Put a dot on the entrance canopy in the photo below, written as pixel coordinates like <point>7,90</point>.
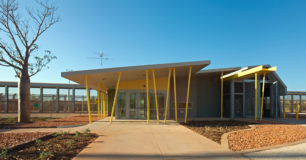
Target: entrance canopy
<point>108,76</point>
<point>247,72</point>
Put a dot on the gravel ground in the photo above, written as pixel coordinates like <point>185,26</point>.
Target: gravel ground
<point>12,139</point>
<point>266,135</point>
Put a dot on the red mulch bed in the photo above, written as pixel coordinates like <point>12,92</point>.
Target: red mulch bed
<point>75,120</point>
<point>266,135</point>
<point>214,129</point>
<point>8,140</point>
<point>57,147</point>
<point>51,123</point>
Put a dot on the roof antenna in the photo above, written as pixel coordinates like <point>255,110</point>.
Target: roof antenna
<point>100,56</point>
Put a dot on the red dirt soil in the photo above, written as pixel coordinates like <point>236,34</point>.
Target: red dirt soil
<point>12,139</point>
<point>265,135</point>
<point>75,120</point>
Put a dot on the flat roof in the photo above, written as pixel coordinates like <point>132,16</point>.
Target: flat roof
<point>296,92</point>
<point>108,76</point>
<point>44,85</point>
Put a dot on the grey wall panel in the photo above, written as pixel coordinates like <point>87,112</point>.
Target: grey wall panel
<point>208,95</point>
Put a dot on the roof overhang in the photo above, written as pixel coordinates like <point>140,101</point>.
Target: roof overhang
<point>245,73</point>
<point>108,77</point>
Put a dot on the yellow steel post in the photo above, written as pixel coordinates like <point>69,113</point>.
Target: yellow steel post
<point>297,112</point>
<point>88,99</point>
<point>262,95</point>
<point>148,102</point>
<point>255,96</point>
<point>115,98</point>
<point>104,104</point>
<point>187,96</point>
<point>284,111</point>
<point>174,87</point>
<point>107,103</point>
<point>98,93</point>
<point>167,98</point>
<point>221,95</point>
<point>101,105</point>
<point>155,93</point>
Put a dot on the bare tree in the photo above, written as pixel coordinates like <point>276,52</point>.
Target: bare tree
<point>20,50</point>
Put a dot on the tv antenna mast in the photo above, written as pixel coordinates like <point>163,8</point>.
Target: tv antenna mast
<point>101,57</point>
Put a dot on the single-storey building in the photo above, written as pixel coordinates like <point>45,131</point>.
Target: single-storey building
<point>182,91</point>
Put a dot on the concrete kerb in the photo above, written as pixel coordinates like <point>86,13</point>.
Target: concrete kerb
<point>224,137</point>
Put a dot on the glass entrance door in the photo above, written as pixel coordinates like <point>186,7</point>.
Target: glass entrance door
<point>133,105</point>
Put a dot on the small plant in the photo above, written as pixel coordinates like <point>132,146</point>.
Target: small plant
<point>77,134</point>
<point>87,131</point>
<point>65,133</point>
<point>56,134</point>
<point>45,155</point>
<point>70,143</point>
<point>10,120</point>
<point>3,153</point>
<point>38,141</point>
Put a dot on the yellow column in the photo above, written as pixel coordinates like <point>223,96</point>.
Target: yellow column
<point>187,96</point>
<point>167,98</point>
<point>284,109</point>
<point>297,112</point>
<point>156,102</point>
<point>88,99</point>
<point>115,98</point>
<point>255,96</point>
<point>98,93</point>
<point>106,102</point>
<point>148,102</point>
<point>174,87</point>
<point>101,105</point>
<point>221,95</point>
<point>262,95</point>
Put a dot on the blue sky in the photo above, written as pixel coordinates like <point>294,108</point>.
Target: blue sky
<point>230,33</point>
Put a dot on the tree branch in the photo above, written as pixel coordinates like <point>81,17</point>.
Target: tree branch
<point>10,54</point>
<point>10,8</point>
<point>9,64</point>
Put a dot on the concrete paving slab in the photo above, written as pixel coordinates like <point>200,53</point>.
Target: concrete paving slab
<point>294,152</point>
<point>138,140</point>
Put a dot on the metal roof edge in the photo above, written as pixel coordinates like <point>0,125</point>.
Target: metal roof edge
<point>218,70</point>
<point>151,66</point>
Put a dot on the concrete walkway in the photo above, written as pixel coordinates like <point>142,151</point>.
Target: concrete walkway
<point>139,140</point>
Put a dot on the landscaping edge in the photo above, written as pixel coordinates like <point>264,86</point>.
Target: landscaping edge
<point>224,143</point>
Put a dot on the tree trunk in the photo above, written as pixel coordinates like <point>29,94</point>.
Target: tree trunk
<point>24,108</point>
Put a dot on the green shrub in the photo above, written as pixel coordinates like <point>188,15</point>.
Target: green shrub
<point>70,143</point>
<point>10,120</point>
<point>38,141</point>
<point>77,134</point>
<point>87,131</point>
<point>45,155</point>
<point>3,153</point>
<point>56,134</point>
